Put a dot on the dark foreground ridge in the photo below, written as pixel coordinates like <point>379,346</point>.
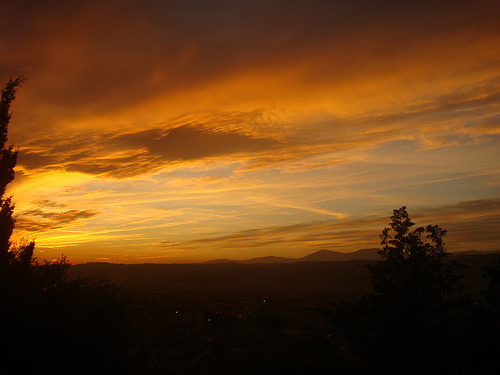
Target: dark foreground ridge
<point>320,281</point>
<point>268,318</point>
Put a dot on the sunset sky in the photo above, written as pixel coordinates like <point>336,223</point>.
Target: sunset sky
<point>186,131</point>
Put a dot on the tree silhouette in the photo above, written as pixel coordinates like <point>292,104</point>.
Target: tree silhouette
<point>22,254</point>
<point>48,323</point>
<point>410,314</point>
<point>413,274</point>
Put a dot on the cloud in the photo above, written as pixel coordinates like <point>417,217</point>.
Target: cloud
<point>137,153</point>
<point>102,57</point>
<point>109,70</point>
<point>48,203</point>
<point>470,225</point>
<point>315,234</point>
<point>191,143</point>
<point>475,208</point>
<point>35,226</point>
<point>62,217</point>
<point>50,220</point>
<point>264,139</point>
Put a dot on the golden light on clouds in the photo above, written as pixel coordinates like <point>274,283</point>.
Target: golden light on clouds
<point>188,131</point>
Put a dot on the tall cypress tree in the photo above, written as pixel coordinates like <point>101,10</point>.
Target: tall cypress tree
<point>8,160</point>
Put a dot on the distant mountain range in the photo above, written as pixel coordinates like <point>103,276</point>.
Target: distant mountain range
<point>317,256</point>
<point>325,256</point>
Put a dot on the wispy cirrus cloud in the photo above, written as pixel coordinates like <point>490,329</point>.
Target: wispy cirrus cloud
<point>465,222</point>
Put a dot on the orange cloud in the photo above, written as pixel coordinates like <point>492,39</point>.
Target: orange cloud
<point>142,152</point>
<point>51,220</point>
<point>106,58</point>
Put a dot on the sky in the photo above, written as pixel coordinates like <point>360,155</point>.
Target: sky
<point>187,131</point>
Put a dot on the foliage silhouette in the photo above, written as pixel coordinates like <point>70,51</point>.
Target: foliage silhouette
<point>8,160</point>
<point>49,323</point>
<point>413,277</point>
<point>404,324</point>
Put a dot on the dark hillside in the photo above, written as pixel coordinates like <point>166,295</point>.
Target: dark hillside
<point>251,318</point>
<point>309,282</point>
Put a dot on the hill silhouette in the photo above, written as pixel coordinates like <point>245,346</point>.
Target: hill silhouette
<point>317,256</point>
<point>329,256</point>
